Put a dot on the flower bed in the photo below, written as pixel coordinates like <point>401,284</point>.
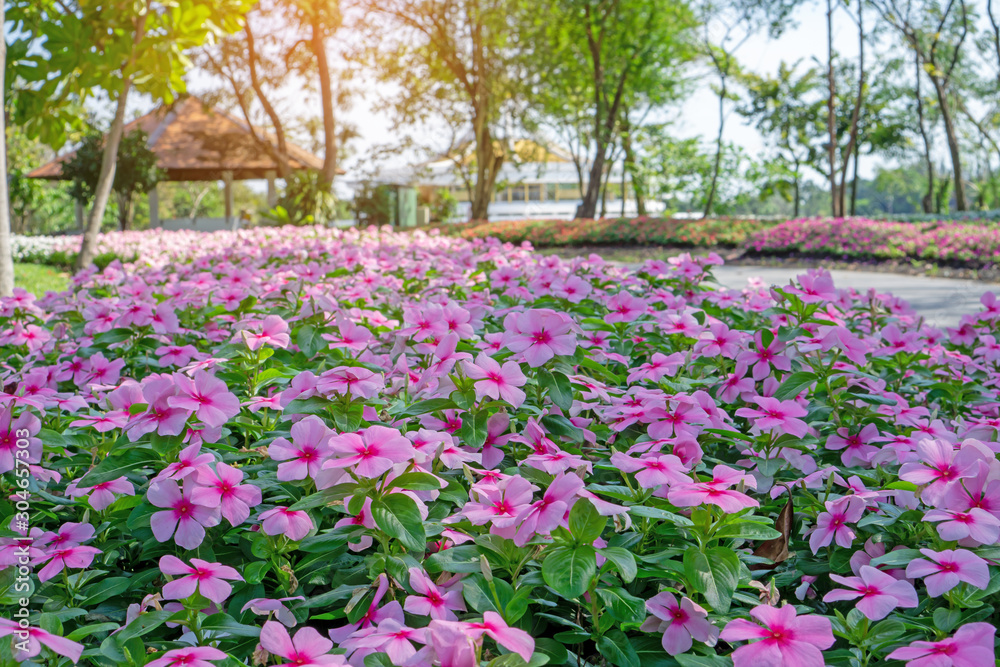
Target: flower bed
<point>620,231</point>
<point>304,446</point>
<point>975,244</point>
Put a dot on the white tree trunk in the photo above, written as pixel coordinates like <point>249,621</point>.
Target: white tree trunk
<point>6,254</point>
<point>107,178</point>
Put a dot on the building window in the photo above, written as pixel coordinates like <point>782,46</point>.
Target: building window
<point>517,193</point>
<point>535,192</point>
<point>550,191</point>
<point>569,191</point>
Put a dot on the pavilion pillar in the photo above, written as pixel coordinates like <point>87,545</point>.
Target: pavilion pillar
<point>154,208</point>
<point>272,191</point>
<point>79,216</point>
<point>227,180</point>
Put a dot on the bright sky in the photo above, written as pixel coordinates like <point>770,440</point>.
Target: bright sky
<point>698,115</point>
<point>805,40</point>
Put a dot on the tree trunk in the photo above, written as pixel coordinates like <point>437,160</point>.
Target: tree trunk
<point>852,143</point>
<point>854,183</point>
<point>6,251</point>
<point>953,147</point>
<point>710,198</point>
<point>278,150</point>
<point>123,211</point>
<point>795,206</point>
<point>830,116</point>
<point>604,187</point>
<point>88,247</point>
<point>329,171</point>
<point>588,208</point>
<point>638,186</point>
<point>927,202</point>
<point>488,163</point>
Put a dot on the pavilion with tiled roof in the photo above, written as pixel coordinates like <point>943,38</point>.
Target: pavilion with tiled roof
<point>195,142</point>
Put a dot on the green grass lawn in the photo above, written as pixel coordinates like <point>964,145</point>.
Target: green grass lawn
<point>37,278</point>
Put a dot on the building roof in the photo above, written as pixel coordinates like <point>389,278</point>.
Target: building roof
<point>195,142</point>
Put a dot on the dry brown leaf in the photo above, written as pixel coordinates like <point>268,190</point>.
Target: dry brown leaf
<point>776,550</point>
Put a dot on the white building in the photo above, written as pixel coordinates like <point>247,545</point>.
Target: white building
<point>540,182</point>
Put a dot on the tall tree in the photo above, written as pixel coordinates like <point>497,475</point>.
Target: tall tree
<point>787,111</point>
<point>937,34</point>
<point>618,51</point>
<point>268,59</point>
<point>831,117</point>
<point>726,27</point>
<point>856,111</point>
<point>6,255</point>
<point>118,45</point>
<point>457,62</point>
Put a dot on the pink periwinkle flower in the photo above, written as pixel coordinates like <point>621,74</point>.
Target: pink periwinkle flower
<point>879,592</point>
<point>195,656</point>
<point>496,381</point>
<point>181,514</point>
<point>833,524</point>
<point>100,496</point>
<point>273,331</point>
<point>371,453</point>
<point>653,471</point>
<point>943,570</point>
<point>74,556</point>
<point>774,416</point>
<point>972,646</point>
<point>295,524</point>
<point>514,640</point>
<point>431,600</point>
<point>188,461</point>
<point>394,639</point>
<point>209,579</point>
<point>938,467</point>
<point>680,622</point>
<point>786,639</point>
<point>452,643</point>
<point>35,638</point>
<point>206,396</point>
<point>303,456</point>
<point>715,492</point>
<point>539,335</point>
<point>268,606</point>
<point>973,527</point>
<point>223,488</point>
<point>307,648</point>
<point>543,516</point>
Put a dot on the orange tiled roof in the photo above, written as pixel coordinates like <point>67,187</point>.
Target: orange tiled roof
<point>194,142</point>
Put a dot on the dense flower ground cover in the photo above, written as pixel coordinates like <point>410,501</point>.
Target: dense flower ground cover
<point>303,446</point>
<point>976,244</point>
<point>620,231</point>
<point>973,243</point>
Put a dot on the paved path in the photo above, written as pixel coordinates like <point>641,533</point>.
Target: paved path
<point>941,300</point>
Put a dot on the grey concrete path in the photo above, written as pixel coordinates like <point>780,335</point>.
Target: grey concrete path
<point>941,300</point>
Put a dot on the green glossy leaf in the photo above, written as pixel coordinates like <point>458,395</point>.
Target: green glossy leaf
<point>585,523</point>
<point>569,570</point>
<point>622,560</point>
<point>622,605</point>
<point>794,385</point>
<point>113,467</point>
<point>714,574</point>
<point>397,515</point>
